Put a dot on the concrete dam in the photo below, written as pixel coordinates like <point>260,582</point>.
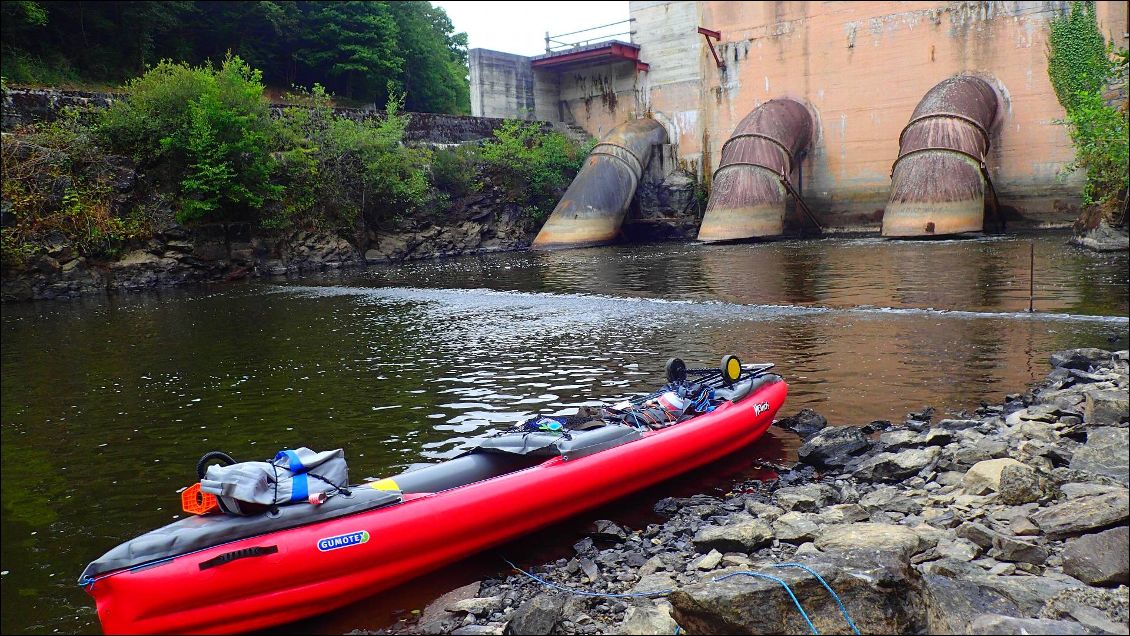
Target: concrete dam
<point>925,118</point>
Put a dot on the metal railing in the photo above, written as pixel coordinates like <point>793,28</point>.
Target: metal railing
<point>552,44</point>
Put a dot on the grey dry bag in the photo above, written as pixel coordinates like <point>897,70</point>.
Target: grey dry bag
<point>293,476</point>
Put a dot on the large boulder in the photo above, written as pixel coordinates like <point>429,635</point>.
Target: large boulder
<point>806,423</point>
<point>1107,452</point>
<point>742,533</point>
<point>1082,359</point>
<point>1084,514</point>
<point>834,446</point>
<point>1019,485</point>
<point>1001,624</point>
<point>1102,558</point>
<point>879,537</point>
<point>538,615</point>
<point>1106,408</point>
<point>985,476</point>
<point>807,498</point>
<point>951,605</point>
<point>892,467</point>
<point>877,591</point>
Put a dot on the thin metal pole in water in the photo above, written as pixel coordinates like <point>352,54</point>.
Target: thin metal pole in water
<point>1031,274</point>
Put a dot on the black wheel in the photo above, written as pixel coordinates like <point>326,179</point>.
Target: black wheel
<point>676,370</point>
<point>731,369</point>
<point>213,457</point>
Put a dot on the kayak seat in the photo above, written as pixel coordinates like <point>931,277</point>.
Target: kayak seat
<point>460,471</point>
<point>568,444</point>
<point>743,389</point>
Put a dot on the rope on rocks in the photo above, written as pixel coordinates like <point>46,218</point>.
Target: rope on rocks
<point>585,592</point>
<point>835,596</point>
<point>785,585</point>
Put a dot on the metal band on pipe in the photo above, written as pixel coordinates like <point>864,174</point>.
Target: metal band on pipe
<point>637,167</point>
<point>979,160</point>
<point>776,142</point>
<point>750,164</point>
<point>969,120</point>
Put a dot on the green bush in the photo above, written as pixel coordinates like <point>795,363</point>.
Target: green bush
<point>208,127</point>
<point>335,169</point>
<point>1100,133</point>
<point>454,170</point>
<point>1079,66</point>
<point>59,184</point>
<point>532,166</point>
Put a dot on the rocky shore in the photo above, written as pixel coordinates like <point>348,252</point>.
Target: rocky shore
<point>1012,520</point>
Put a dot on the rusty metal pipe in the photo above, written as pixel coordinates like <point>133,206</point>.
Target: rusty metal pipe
<point>938,181</point>
<point>747,199</point>
<point>594,206</point>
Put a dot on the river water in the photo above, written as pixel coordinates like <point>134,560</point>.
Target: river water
<point>108,403</point>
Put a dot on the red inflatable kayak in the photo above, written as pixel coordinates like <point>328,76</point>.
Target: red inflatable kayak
<point>222,574</point>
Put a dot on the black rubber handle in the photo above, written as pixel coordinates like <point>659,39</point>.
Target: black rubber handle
<point>245,553</point>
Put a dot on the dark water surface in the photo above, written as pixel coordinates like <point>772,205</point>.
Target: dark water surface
<point>108,403</point>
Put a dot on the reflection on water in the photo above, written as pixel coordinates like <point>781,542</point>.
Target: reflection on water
<point>107,403</point>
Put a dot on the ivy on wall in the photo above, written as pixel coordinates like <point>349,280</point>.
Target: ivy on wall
<point>1080,63</point>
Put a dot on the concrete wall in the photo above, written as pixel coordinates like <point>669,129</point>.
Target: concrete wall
<point>862,67</point>
<point>502,85</point>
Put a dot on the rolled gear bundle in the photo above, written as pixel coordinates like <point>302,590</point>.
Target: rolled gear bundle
<point>293,476</point>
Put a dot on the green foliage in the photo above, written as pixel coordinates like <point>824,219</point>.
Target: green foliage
<point>60,185</point>
<point>1079,66</point>
<point>335,169</point>
<point>455,170</point>
<point>532,166</point>
<point>353,48</point>
<point>1077,54</point>
<point>1100,134</point>
<point>210,128</point>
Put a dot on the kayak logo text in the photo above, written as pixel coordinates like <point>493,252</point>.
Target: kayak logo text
<point>758,409</point>
<point>343,541</point>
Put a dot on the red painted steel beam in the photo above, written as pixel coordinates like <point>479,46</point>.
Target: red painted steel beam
<point>717,35</point>
<point>613,51</point>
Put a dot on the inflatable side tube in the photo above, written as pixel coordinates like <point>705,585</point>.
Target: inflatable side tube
<point>199,532</point>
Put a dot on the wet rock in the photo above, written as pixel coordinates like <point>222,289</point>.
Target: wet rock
<point>951,605</point>
<point>1019,485</point>
<point>887,538</point>
<point>833,447</point>
<point>741,534</point>
<point>892,467</point>
<point>1107,452</point>
<point>806,423</point>
<point>1000,624</point>
<point>647,618</point>
<point>806,498</point>
<point>1082,359</point>
<point>875,590</point>
<point>985,476</point>
<point>1102,558</point>
<point>539,615</point>
<point>1083,514</point>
